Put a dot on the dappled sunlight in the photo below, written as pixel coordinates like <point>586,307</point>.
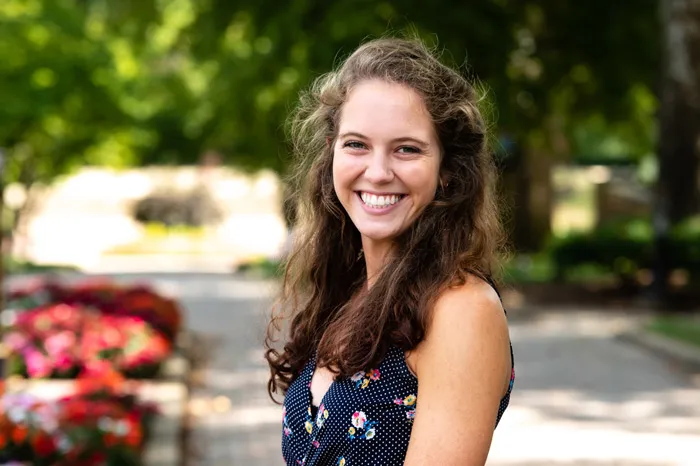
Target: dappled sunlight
<point>237,421</point>
<point>575,323</point>
<point>239,380</point>
<point>549,426</point>
<point>245,417</point>
<point>670,412</point>
<point>583,397</point>
<point>527,437</point>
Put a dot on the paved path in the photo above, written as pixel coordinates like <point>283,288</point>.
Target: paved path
<point>584,398</point>
<point>581,397</point>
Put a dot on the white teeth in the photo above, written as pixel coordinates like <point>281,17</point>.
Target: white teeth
<point>373,200</point>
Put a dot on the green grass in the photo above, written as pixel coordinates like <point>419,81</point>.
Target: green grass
<point>264,268</point>
<point>13,266</point>
<point>682,328</point>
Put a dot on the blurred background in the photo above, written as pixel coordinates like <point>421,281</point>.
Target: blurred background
<point>144,141</point>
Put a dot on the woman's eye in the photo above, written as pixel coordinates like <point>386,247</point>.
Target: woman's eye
<point>409,150</point>
<point>354,145</point>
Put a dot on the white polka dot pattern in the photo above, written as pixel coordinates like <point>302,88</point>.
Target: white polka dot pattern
<point>363,420</point>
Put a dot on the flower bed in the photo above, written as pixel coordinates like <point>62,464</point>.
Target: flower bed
<point>61,331</point>
<point>109,298</point>
<point>97,337</point>
<point>65,341</point>
<point>101,423</point>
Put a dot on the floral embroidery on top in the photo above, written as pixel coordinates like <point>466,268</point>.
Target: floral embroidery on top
<point>341,461</point>
<point>411,415</point>
<point>361,423</point>
<point>362,378</point>
<point>287,431</point>
<point>308,425</point>
<point>512,378</point>
<point>409,401</point>
<point>321,416</point>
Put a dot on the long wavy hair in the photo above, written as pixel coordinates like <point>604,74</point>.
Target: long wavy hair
<point>323,301</point>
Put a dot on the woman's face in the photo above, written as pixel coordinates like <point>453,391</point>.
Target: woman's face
<point>386,159</point>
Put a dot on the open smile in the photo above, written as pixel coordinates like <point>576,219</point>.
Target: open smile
<point>380,202</point>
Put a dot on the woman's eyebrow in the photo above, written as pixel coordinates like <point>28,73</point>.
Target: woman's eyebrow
<point>394,141</point>
<point>353,134</point>
<point>417,141</point>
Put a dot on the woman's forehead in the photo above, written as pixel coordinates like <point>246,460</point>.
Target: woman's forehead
<point>377,108</point>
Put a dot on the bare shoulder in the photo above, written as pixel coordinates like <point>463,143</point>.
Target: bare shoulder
<point>473,309</point>
<point>464,356</point>
<point>473,301</point>
<point>468,328</point>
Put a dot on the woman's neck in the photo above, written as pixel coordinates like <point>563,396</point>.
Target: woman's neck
<point>376,255</point>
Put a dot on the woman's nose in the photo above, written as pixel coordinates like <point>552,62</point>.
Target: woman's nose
<point>379,169</point>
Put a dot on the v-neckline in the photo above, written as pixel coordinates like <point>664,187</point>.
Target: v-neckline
<point>310,381</point>
<point>312,371</point>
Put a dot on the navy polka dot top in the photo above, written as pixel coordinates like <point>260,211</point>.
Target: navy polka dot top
<point>362,420</point>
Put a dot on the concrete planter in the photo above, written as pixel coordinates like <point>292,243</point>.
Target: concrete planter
<point>170,391</point>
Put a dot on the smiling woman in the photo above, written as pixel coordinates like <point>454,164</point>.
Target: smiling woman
<point>386,162</point>
<point>390,279</point>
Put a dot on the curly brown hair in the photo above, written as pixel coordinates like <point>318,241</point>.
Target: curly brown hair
<point>458,234</point>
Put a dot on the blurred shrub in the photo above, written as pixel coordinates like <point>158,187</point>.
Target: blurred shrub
<point>528,268</point>
<point>193,208</point>
<point>625,247</point>
<point>262,268</point>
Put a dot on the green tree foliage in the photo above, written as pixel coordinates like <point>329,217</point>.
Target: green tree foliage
<point>141,81</point>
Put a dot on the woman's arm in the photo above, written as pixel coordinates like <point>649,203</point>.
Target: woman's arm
<point>463,368</point>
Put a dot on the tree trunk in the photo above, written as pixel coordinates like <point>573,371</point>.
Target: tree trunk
<point>679,128</point>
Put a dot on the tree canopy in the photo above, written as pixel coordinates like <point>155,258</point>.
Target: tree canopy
<point>161,81</point>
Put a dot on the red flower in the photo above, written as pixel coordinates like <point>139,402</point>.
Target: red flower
<point>96,459</point>
<point>43,444</point>
<point>19,434</point>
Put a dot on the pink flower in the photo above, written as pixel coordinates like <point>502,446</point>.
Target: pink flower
<point>374,374</point>
<point>37,364</point>
<point>358,419</point>
<point>63,362</point>
<point>16,341</point>
<point>63,314</point>
<point>59,343</point>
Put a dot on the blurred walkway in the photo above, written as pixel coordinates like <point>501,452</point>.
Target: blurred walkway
<point>581,396</point>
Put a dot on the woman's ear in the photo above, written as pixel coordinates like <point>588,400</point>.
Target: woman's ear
<point>443,181</point>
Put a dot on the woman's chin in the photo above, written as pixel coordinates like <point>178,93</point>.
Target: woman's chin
<point>379,235</point>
